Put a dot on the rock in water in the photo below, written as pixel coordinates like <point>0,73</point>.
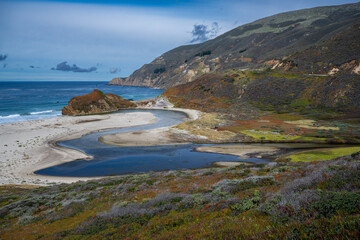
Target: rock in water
<point>96,102</point>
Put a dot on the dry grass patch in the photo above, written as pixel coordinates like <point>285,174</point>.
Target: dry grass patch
<point>206,126</point>
<point>310,124</point>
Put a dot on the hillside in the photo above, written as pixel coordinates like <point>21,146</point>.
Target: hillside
<point>285,200</point>
<point>313,40</point>
<point>287,87</point>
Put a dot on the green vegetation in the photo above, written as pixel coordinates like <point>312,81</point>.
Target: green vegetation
<point>321,155</point>
<point>267,135</point>
<point>277,100</point>
<point>290,200</point>
<point>275,43</point>
<point>159,70</point>
<point>203,53</point>
<point>205,127</point>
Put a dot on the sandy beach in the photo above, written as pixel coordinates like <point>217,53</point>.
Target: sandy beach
<point>158,136</point>
<point>29,146</point>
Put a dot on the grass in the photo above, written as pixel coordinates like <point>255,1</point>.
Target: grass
<point>276,136</point>
<point>267,135</point>
<point>322,155</point>
<point>205,127</point>
<point>311,124</point>
<point>289,200</point>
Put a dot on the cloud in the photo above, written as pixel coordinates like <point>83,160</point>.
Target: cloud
<point>67,68</point>
<point>42,32</point>
<point>202,33</point>
<point>3,57</point>
<point>114,70</point>
<point>214,29</point>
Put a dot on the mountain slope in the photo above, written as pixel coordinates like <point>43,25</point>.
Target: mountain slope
<point>255,45</point>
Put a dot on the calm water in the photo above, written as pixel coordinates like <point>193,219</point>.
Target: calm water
<point>111,160</point>
<point>23,101</point>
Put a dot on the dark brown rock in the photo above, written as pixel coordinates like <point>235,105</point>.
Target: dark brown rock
<point>96,102</point>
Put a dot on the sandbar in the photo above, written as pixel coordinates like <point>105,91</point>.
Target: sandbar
<point>153,137</point>
<point>238,150</point>
<point>29,146</point>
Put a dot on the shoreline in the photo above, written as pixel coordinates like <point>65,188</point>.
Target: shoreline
<point>31,145</point>
<point>152,137</point>
<point>37,146</point>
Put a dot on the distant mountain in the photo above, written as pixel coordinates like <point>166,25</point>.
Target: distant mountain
<point>316,40</point>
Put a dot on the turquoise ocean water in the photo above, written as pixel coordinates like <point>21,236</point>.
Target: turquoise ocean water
<point>24,101</point>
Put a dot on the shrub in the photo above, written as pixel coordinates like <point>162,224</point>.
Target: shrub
<point>247,204</point>
<point>203,53</point>
<point>163,202</point>
<point>159,70</point>
<point>330,203</point>
<point>248,183</point>
<point>70,209</point>
<point>323,191</point>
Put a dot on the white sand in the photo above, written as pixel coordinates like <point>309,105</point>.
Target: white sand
<point>158,136</point>
<point>230,164</point>
<point>153,137</point>
<point>29,146</point>
<point>238,150</point>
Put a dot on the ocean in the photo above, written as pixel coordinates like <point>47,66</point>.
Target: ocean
<point>24,101</point>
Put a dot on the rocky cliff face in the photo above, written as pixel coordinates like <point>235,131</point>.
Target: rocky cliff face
<point>96,102</point>
<point>117,81</point>
<point>283,38</point>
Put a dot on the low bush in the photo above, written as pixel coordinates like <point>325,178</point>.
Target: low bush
<point>247,204</point>
<point>329,203</point>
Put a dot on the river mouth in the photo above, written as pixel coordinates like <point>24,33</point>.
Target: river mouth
<point>129,160</point>
<point>108,160</point>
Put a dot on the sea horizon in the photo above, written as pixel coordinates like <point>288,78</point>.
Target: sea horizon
<point>34,100</point>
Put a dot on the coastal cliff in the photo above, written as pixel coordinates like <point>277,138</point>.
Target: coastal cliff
<point>116,81</point>
<point>319,40</point>
<point>96,102</point>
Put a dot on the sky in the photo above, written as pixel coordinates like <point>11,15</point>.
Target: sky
<point>99,40</point>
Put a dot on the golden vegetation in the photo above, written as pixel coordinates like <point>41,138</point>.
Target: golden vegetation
<point>206,126</point>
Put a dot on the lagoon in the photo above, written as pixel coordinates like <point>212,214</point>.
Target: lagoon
<point>113,160</point>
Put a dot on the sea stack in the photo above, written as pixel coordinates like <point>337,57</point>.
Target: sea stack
<point>96,102</point>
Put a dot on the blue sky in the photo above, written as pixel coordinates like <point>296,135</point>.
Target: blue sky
<point>115,37</point>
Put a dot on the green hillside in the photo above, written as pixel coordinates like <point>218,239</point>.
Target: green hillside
<point>263,43</point>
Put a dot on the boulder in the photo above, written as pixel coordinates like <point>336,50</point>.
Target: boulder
<point>96,102</point>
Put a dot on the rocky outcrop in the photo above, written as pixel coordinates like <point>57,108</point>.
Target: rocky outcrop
<point>157,102</point>
<point>96,102</point>
<point>117,81</point>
